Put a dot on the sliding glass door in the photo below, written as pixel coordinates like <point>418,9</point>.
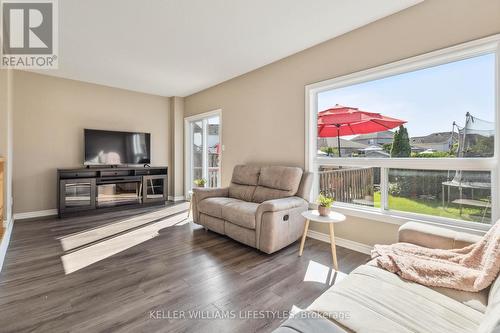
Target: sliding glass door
<point>203,150</point>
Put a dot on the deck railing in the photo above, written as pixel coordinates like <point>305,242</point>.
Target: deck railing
<point>346,185</point>
<point>213,176</point>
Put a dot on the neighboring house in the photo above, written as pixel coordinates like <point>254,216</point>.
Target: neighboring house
<point>347,147</point>
<point>441,141</point>
<point>377,153</point>
<point>213,137</point>
<point>378,138</point>
<point>374,151</point>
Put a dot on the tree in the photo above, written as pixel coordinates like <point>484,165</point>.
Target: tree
<point>482,147</point>
<point>405,138</point>
<point>400,183</point>
<point>387,147</point>
<point>330,151</point>
<point>454,149</point>
<point>401,143</point>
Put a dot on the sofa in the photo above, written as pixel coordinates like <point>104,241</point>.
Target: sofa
<point>371,299</point>
<point>261,207</point>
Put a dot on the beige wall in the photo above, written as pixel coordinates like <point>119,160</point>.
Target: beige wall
<point>3,120</point>
<point>176,147</point>
<point>263,111</point>
<point>6,138</point>
<point>49,117</point>
<point>3,112</point>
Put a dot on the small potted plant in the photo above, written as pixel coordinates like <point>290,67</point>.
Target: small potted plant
<point>324,204</point>
<point>200,182</point>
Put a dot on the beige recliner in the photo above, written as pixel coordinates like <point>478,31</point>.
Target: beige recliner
<point>261,207</point>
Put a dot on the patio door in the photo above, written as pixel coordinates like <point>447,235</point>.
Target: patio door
<point>203,149</point>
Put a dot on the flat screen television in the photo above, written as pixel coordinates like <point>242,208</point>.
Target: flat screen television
<point>116,148</point>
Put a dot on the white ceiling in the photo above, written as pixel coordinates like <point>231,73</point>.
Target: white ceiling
<point>179,47</point>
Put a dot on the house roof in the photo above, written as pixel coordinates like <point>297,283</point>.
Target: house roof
<point>213,129</point>
<point>377,153</point>
<point>376,135</point>
<point>440,137</point>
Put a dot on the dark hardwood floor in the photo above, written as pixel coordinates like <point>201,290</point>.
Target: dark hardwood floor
<point>184,269</point>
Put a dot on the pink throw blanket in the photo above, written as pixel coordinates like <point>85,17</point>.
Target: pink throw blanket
<point>471,268</point>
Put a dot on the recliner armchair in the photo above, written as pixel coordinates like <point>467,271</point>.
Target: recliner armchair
<point>261,207</point>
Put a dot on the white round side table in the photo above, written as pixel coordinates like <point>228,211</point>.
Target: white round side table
<point>331,219</point>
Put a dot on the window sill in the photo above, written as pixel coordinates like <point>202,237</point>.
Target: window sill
<point>400,218</point>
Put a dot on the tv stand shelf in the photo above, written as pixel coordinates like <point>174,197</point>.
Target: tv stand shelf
<point>96,189</point>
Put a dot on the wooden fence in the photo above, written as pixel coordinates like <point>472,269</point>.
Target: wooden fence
<point>346,185</point>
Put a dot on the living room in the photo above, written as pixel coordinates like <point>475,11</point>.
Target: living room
<point>258,166</point>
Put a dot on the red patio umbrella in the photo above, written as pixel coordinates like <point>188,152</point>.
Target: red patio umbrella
<point>343,120</point>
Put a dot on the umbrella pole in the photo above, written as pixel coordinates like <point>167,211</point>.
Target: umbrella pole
<point>338,139</point>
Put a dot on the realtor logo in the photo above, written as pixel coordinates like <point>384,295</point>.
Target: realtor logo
<point>29,34</point>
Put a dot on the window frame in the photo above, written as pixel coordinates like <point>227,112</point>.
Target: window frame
<point>463,51</point>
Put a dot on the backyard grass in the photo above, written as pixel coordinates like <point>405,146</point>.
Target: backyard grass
<point>433,207</point>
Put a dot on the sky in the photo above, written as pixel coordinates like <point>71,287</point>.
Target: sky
<point>429,99</point>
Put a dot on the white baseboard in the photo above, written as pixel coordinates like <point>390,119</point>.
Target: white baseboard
<point>4,242</point>
<point>38,213</point>
<point>177,198</point>
<point>348,244</point>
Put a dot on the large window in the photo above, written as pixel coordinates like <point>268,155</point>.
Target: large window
<point>416,139</point>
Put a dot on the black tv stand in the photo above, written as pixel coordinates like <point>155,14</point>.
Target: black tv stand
<point>105,188</point>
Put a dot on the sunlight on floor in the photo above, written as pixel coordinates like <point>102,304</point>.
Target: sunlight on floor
<point>105,248</point>
<point>320,273</point>
<point>73,241</point>
<point>186,221</point>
